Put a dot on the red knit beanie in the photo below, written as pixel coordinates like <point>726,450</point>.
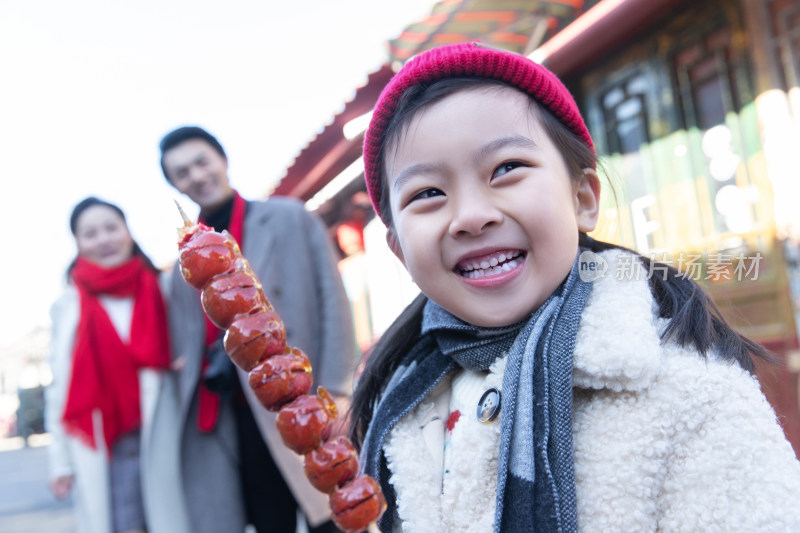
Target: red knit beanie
<point>476,60</point>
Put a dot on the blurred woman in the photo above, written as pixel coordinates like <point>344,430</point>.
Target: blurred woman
<point>111,406</point>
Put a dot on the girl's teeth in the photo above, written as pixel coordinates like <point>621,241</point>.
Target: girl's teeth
<point>493,266</point>
<point>493,271</point>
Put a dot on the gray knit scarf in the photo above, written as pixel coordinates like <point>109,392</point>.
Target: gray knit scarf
<point>536,483</point>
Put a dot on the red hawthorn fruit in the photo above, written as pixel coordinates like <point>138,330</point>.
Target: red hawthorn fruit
<point>281,379</point>
<point>205,254</point>
<point>230,294</point>
<point>251,339</point>
<point>332,464</point>
<point>306,422</point>
<point>357,504</point>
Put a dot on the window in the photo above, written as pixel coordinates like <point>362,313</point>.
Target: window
<point>625,115</point>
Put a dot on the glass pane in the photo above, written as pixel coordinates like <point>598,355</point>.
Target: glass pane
<point>709,104</point>
<point>628,109</point>
<point>613,97</point>
<point>631,135</point>
<point>638,85</point>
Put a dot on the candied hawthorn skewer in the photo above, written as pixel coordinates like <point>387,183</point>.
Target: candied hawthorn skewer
<point>279,375</point>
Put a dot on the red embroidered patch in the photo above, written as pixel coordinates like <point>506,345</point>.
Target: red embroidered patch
<point>452,419</point>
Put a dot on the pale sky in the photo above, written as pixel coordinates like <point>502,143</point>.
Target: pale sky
<point>88,87</point>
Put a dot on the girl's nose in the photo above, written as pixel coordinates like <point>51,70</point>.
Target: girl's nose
<point>473,213</point>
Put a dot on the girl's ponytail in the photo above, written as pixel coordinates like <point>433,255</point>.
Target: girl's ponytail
<point>382,360</point>
<point>694,319</point>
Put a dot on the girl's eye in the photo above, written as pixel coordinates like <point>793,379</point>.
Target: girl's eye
<point>427,193</point>
<point>505,168</point>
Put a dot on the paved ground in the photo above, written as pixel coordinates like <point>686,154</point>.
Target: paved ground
<point>26,504</point>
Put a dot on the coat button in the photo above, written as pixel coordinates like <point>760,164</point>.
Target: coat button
<point>489,405</point>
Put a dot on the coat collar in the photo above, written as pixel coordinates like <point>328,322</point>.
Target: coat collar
<point>618,345</point>
<point>257,241</point>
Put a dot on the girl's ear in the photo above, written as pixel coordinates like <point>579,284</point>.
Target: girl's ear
<point>394,245</point>
<point>587,200</point>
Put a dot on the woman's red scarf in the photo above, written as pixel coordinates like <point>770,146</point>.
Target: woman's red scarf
<point>208,400</point>
<point>104,368</point>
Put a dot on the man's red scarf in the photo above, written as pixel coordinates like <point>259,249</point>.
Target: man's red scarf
<point>104,368</point>
<point>209,401</point>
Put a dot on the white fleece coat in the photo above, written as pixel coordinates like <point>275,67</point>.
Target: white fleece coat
<point>664,439</point>
<point>91,490</point>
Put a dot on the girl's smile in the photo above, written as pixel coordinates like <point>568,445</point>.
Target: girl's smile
<point>485,214</point>
<point>494,268</point>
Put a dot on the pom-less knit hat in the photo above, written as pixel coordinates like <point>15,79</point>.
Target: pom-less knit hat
<point>474,60</point>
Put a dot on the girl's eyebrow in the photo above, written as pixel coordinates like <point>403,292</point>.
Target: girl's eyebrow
<point>408,172</point>
<point>512,141</point>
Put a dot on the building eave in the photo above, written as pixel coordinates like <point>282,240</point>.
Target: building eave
<point>599,31</point>
<point>330,152</point>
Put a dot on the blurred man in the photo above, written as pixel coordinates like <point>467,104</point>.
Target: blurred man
<point>234,466</point>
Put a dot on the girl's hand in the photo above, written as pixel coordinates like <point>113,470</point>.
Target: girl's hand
<point>61,486</point>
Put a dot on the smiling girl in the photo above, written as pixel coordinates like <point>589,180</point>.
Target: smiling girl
<point>513,395</point>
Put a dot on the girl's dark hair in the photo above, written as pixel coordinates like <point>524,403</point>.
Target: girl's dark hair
<point>91,201</point>
<point>694,320</point>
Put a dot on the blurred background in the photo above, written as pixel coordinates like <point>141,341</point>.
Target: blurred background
<point>694,106</point>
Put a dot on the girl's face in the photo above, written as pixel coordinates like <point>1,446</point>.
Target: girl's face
<point>485,215</point>
<point>102,237</point>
